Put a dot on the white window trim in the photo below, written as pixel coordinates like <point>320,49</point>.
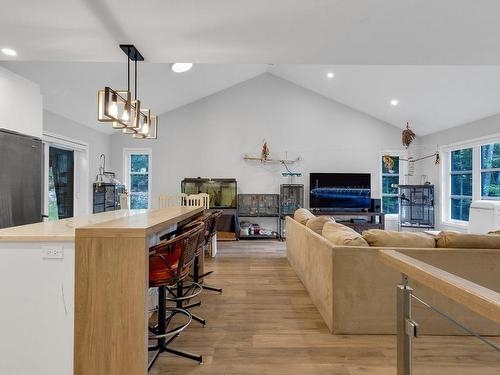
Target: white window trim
<point>403,171</point>
<point>445,180</point>
<point>82,192</point>
<point>126,169</point>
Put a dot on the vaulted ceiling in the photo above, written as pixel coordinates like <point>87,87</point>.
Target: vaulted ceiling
<point>440,59</point>
<point>389,32</point>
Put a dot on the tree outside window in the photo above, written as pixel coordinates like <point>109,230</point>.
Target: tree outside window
<point>139,180</point>
<point>490,171</point>
<point>390,183</point>
<point>460,184</point>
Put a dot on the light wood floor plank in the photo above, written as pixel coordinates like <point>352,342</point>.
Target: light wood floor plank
<point>266,324</point>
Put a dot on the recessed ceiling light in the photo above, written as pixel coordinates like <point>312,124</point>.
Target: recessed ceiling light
<point>9,52</point>
<point>394,102</point>
<point>330,75</point>
<point>181,67</point>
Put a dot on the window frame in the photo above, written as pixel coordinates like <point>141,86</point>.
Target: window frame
<point>403,171</point>
<point>445,179</point>
<point>127,153</point>
<point>485,170</point>
<point>450,174</point>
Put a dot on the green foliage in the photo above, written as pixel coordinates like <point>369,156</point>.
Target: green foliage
<point>490,184</point>
<point>139,163</point>
<point>461,160</point>
<point>490,156</point>
<point>390,205</point>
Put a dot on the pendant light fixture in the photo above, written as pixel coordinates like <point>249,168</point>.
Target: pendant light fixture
<point>148,129</point>
<point>118,107</point>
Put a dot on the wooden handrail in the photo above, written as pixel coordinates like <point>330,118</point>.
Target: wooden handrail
<point>477,298</point>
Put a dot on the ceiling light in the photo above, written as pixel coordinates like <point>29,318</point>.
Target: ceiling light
<point>330,75</point>
<point>9,52</point>
<point>118,107</point>
<point>394,102</point>
<point>181,67</point>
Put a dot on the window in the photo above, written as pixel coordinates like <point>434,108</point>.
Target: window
<point>460,184</point>
<point>490,171</point>
<point>138,177</point>
<point>390,182</point>
<point>472,173</point>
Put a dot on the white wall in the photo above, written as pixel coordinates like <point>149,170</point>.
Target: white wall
<point>209,137</point>
<point>99,143</point>
<point>37,327</point>
<point>429,143</point>
<point>20,104</point>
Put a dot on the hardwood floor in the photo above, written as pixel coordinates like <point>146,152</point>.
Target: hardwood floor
<point>265,323</point>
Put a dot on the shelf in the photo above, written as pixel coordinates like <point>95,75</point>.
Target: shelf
<point>271,160</point>
<point>258,215</point>
<point>416,226</point>
<point>258,236</point>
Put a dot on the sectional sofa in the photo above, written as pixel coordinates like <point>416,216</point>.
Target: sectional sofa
<point>356,294</point>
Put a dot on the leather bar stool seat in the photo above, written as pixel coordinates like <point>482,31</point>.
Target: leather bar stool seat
<point>170,263</point>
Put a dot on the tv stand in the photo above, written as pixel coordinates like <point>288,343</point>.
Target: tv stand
<point>374,220</point>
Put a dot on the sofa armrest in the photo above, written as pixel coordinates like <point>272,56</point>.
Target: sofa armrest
<point>311,256</point>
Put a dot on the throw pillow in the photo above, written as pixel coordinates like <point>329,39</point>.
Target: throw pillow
<point>468,241</point>
<point>388,238</point>
<point>339,234</point>
<point>302,215</point>
<point>317,222</point>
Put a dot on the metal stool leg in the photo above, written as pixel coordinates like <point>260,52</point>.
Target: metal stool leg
<point>163,339</point>
<point>179,304</point>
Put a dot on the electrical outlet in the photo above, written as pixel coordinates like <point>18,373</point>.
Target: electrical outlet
<point>52,252</point>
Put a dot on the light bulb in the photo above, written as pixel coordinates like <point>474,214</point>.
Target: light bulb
<point>113,109</point>
<point>125,116</point>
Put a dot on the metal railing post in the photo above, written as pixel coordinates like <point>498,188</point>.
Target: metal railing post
<point>403,317</point>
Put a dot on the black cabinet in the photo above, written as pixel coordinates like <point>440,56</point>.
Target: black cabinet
<point>106,197</point>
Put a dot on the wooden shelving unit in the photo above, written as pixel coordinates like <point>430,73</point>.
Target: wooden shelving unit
<point>281,161</point>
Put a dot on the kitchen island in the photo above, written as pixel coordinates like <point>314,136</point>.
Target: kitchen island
<point>73,292</point>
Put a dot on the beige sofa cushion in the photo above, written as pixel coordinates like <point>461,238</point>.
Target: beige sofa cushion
<point>302,215</point>
<point>339,234</point>
<point>317,222</point>
<point>388,238</point>
<point>468,241</point>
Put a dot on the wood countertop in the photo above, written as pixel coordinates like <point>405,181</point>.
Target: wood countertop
<point>140,225</point>
<point>128,222</point>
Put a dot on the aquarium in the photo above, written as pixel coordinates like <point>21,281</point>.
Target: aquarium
<point>222,191</point>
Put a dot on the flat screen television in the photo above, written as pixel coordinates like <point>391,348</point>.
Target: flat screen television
<point>340,191</point>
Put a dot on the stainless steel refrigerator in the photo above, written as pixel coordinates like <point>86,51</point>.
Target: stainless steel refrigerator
<point>21,166</point>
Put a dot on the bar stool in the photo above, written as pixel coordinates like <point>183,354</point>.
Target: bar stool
<point>169,265</point>
<point>210,231</point>
<point>190,288</point>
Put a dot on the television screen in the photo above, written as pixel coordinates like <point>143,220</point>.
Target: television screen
<point>340,191</point>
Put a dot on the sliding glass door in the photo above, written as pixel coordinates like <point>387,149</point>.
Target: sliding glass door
<point>61,183</point>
